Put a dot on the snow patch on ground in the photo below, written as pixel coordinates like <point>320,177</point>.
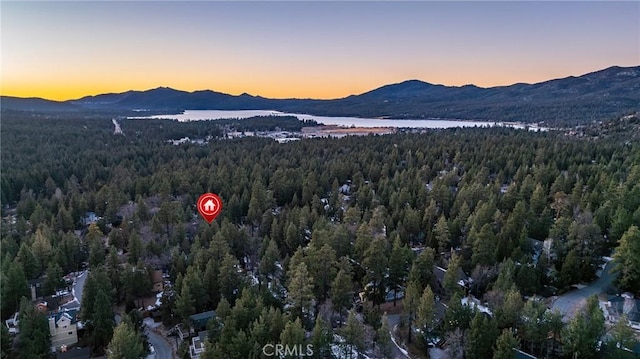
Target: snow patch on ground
<point>475,303</point>
<point>401,349</point>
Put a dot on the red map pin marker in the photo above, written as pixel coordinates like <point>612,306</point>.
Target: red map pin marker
<point>209,206</point>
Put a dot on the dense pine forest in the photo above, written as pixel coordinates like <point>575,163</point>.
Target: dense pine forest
<point>341,244</point>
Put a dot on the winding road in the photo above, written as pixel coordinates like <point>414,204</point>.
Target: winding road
<point>159,343</point>
<point>570,302</point>
<point>394,320</point>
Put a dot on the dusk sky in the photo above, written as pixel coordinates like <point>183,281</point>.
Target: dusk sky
<point>65,50</point>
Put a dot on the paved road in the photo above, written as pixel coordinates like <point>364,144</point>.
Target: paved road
<point>162,348</point>
<point>77,288</point>
<point>394,320</point>
<point>570,302</point>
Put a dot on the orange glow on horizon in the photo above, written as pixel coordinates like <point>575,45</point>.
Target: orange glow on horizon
<point>59,90</point>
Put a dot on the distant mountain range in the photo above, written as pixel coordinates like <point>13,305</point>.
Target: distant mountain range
<point>572,100</point>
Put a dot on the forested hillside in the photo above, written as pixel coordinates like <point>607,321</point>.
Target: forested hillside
<point>308,225</point>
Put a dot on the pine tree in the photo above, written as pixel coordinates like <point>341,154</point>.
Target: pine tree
<point>292,335</point>
<point>484,246</point>
<point>185,303</point>
<point>505,344</point>
<point>125,343</point>
<point>269,258</point>
<point>426,314</point>
<point>451,276</point>
<point>342,289</point>
<point>509,312</point>
<point>28,261</point>
<point>481,337</point>
<point>410,305</point>
<point>6,343</point>
<point>134,249</point>
<point>15,286</point>
<point>353,334</point>
<point>384,343</point>
<point>585,330</point>
<point>399,263</point>
<point>321,264</point>
<point>321,339</point>
<point>442,235</point>
<point>229,280</point>
<point>622,337</point>
<point>627,258</point>
<point>375,265</point>
<point>34,341</point>
<point>422,268</point>
<point>54,278</point>
<point>300,288</point>
<point>457,315</point>
<point>103,322</point>
<point>96,281</point>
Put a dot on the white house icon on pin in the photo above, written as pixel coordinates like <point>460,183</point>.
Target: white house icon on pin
<point>209,206</point>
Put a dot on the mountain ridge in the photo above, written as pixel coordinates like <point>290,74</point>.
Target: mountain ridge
<point>593,96</point>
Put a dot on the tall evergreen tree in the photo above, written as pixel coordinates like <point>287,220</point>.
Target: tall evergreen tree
<point>426,315</point>
<point>505,344</point>
<point>442,234</point>
<point>481,337</point>
<point>125,343</point>
<point>585,330</point>
<point>399,264</point>
<point>300,288</point>
<point>627,256</point>
<point>383,341</point>
<point>342,289</point>
<point>293,336</point>
<point>321,339</point>
<point>103,323</point>
<point>353,334</point>
<point>34,341</point>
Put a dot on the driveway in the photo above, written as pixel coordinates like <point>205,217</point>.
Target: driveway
<point>570,302</point>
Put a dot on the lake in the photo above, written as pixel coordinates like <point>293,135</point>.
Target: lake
<point>204,115</point>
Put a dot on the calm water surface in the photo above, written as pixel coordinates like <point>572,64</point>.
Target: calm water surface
<point>203,115</point>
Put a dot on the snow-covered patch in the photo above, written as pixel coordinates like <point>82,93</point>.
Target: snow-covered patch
<point>339,349</point>
<point>474,302</point>
<point>401,349</point>
<point>254,279</point>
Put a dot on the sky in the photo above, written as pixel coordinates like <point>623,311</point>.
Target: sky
<point>66,50</point>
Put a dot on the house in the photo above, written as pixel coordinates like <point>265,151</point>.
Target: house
<point>63,329</point>
<point>625,304</point>
<point>196,348</point>
<point>157,280</point>
<point>519,354</point>
<point>89,218</point>
<point>439,273</point>
<point>199,321</point>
